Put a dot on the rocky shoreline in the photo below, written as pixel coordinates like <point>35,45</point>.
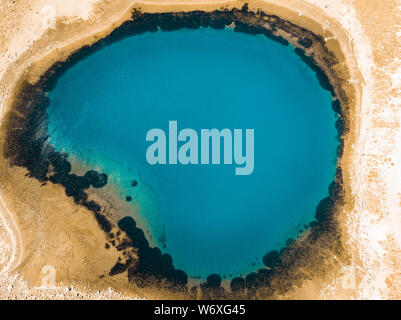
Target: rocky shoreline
<point>26,145</point>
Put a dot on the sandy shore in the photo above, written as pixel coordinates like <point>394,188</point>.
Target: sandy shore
<point>30,228</point>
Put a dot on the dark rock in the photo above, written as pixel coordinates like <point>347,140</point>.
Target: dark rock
<point>97,180</point>
<point>213,281</point>
<point>237,284</point>
<point>271,259</point>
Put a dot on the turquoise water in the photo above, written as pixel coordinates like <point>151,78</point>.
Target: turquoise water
<point>209,219</point>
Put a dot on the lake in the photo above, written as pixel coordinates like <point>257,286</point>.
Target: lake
<point>209,219</point>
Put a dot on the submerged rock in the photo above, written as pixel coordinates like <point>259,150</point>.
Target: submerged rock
<point>97,180</point>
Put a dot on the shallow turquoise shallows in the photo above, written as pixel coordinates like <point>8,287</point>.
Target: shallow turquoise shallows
<point>206,217</point>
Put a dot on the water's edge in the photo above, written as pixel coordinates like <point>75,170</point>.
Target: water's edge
<point>26,145</point>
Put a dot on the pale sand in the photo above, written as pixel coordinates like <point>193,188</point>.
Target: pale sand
<point>371,163</point>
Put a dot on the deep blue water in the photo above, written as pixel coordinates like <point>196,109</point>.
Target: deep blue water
<point>213,220</point>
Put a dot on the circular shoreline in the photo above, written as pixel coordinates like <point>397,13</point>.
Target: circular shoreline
<point>311,63</point>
